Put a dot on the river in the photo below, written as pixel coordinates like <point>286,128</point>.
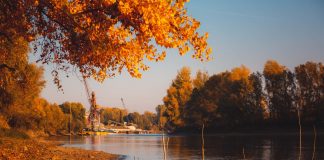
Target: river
<point>234,146</point>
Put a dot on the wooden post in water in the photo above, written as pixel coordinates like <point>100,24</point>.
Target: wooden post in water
<point>70,119</point>
<point>70,123</point>
<point>243,153</point>
<point>300,134</point>
<point>164,150</point>
<point>314,146</point>
<point>202,142</point>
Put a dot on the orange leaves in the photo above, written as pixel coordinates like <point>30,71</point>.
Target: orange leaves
<point>108,2</point>
<point>239,73</point>
<point>273,67</point>
<point>102,37</point>
<point>124,7</point>
<point>76,6</point>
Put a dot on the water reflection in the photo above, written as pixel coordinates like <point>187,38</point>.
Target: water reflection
<point>189,147</point>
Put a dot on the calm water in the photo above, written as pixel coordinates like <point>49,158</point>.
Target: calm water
<point>150,147</point>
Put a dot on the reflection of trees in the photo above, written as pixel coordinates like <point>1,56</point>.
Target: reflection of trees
<point>231,146</point>
<point>184,147</point>
<point>93,142</point>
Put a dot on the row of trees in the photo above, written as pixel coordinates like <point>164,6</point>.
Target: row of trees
<point>20,85</point>
<point>147,121</point>
<point>238,98</point>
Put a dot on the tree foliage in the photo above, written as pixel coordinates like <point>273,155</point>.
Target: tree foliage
<point>117,116</point>
<point>102,37</point>
<point>310,88</point>
<point>239,99</point>
<point>200,79</point>
<point>113,114</point>
<point>177,96</point>
<point>281,88</point>
<point>161,116</point>
<point>77,111</point>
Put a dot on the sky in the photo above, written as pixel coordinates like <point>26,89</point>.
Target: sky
<point>248,32</point>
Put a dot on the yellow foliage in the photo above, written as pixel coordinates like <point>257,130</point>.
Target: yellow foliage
<point>273,67</point>
<point>240,73</point>
<point>106,35</point>
<point>3,123</point>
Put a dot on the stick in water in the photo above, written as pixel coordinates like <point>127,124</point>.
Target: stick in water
<point>300,134</point>
<point>243,153</point>
<point>164,150</point>
<point>314,147</point>
<point>203,142</point>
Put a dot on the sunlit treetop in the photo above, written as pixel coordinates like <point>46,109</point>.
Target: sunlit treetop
<point>240,73</point>
<point>272,67</point>
<point>102,37</point>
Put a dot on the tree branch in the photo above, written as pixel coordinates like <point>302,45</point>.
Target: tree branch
<point>6,66</point>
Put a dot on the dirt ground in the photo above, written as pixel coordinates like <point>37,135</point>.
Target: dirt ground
<point>29,149</point>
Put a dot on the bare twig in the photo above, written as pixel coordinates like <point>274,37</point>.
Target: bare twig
<point>8,67</point>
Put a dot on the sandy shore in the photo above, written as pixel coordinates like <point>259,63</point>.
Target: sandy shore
<point>14,149</point>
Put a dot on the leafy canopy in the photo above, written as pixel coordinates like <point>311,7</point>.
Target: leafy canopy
<point>102,37</point>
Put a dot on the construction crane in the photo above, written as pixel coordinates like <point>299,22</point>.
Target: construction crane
<point>94,112</point>
<point>122,100</point>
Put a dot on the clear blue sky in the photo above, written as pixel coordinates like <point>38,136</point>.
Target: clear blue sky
<point>245,32</point>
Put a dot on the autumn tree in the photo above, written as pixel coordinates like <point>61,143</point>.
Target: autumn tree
<point>200,79</point>
<point>135,118</point>
<point>77,111</point>
<point>255,99</point>
<point>102,37</point>
<point>113,114</point>
<point>281,88</point>
<point>177,96</point>
<point>310,90</point>
<point>149,120</point>
<point>228,99</point>
<point>20,83</point>
<point>49,117</point>
<point>233,102</point>
<point>161,116</point>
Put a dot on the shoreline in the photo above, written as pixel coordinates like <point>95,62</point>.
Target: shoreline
<point>13,148</point>
<point>264,132</point>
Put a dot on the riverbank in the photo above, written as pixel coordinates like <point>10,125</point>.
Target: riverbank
<point>13,148</point>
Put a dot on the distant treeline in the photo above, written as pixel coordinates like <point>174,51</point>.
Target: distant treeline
<point>239,99</point>
<point>147,121</point>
